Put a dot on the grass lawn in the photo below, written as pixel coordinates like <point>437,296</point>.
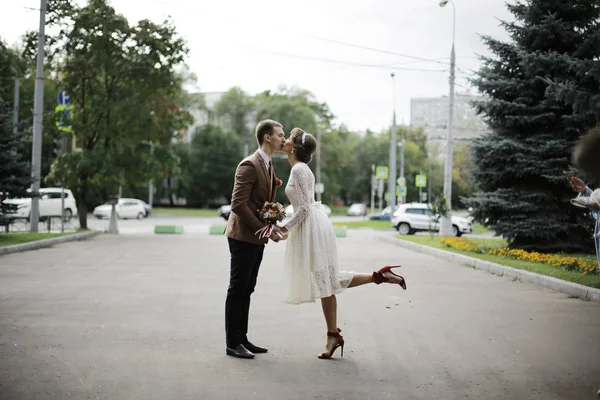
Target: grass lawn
<point>387,225</point>
<point>478,228</point>
<point>185,212</point>
<point>8,239</point>
<point>542,269</point>
<point>339,210</point>
<point>365,224</point>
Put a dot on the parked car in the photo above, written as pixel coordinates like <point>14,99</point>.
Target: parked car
<point>414,217</point>
<point>357,209</point>
<point>289,211</point>
<point>125,208</point>
<point>224,211</point>
<point>385,215</point>
<point>49,204</point>
<point>147,207</point>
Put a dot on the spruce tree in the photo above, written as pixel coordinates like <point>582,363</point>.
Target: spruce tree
<point>523,194</point>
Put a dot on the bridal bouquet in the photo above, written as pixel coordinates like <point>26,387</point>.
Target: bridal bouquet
<point>271,213</point>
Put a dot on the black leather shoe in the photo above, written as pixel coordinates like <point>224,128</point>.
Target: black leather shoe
<point>239,351</point>
<point>255,349</point>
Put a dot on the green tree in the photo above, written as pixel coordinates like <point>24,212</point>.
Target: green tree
<point>341,175</point>
<point>14,65</point>
<point>523,195</point>
<point>214,156</point>
<point>293,107</point>
<point>235,111</point>
<point>124,89</point>
<point>462,181</point>
<point>374,149</point>
<point>15,171</point>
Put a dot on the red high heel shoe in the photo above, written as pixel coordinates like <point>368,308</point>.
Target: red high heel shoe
<point>379,277</point>
<point>340,343</point>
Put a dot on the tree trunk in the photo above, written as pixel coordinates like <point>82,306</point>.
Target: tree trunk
<point>82,206</point>
<point>170,191</point>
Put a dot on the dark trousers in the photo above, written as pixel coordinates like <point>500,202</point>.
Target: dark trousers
<point>245,262</point>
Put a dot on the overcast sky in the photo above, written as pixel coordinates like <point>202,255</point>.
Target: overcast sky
<point>261,44</point>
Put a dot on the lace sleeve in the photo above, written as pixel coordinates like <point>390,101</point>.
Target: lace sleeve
<point>302,177</point>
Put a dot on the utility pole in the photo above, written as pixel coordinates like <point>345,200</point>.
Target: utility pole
<point>38,123</point>
<point>150,183</point>
<point>446,222</point>
<point>393,150</point>
<point>16,107</point>
<point>373,181</point>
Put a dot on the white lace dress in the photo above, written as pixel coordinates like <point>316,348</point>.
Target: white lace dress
<point>311,269</point>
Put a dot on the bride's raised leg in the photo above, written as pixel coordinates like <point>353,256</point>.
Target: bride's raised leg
<point>361,279</point>
<point>384,275</point>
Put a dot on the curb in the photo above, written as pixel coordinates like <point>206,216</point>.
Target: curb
<point>168,229</point>
<point>217,229</point>
<point>39,244</point>
<point>573,289</point>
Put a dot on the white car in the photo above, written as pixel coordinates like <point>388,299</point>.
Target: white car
<point>289,210</point>
<point>414,217</point>
<point>224,211</point>
<point>49,204</point>
<point>125,208</point>
<point>357,209</point>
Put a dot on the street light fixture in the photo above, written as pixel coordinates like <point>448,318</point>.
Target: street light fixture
<point>446,222</point>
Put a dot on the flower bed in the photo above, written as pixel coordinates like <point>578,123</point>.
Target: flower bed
<point>565,262</point>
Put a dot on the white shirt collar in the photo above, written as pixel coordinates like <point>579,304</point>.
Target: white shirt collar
<point>264,156</point>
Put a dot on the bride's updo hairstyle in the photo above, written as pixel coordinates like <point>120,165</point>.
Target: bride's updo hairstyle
<point>304,145</point>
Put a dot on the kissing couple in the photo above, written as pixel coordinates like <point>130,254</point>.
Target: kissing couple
<point>311,268</point>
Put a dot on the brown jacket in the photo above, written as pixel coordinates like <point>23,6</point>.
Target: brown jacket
<point>251,189</point>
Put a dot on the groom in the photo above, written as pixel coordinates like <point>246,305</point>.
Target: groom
<point>254,184</point>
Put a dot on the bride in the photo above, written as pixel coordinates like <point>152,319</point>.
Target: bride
<point>311,268</point>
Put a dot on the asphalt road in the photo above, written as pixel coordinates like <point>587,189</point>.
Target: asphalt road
<point>140,316</point>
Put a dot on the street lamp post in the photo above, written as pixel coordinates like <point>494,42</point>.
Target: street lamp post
<point>393,151</point>
<point>401,145</point>
<point>446,222</point>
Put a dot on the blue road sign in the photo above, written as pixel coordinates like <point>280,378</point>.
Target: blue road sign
<point>63,98</point>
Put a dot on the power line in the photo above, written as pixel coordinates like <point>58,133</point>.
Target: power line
<point>377,50</point>
<point>349,63</point>
<point>437,61</point>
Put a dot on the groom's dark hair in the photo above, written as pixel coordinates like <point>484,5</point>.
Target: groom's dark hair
<point>265,127</point>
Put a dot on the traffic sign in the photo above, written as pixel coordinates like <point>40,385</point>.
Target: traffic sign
<point>63,98</point>
<point>401,191</point>
<point>319,188</point>
<point>65,116</point>
<point>388,196</point>
<point>401,181</point>
<point>421,180</point>
<point>381,172</point>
